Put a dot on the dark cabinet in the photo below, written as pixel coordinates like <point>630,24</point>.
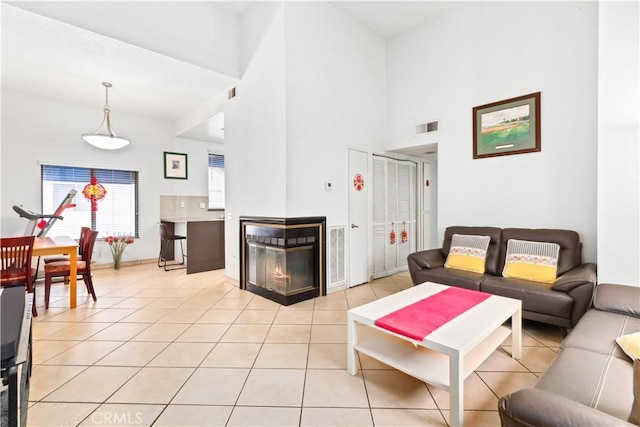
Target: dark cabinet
<point>205,244</point>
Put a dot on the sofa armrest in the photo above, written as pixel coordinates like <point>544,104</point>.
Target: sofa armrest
<point>618,299</point>
<point>584,273</point>
<point>431,258</point>
<point>424,260</point>
<point>535,407</point>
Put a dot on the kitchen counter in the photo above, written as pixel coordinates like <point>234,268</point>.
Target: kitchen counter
<point>176,220</point>
<point>205,242</point>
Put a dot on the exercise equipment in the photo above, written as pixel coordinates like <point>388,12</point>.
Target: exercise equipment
<point>44,222</point>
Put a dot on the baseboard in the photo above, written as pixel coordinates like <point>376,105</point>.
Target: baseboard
<point>337,287</point>
<point>124,264</point>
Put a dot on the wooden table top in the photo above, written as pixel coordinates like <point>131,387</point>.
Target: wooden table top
<point>53,242</point>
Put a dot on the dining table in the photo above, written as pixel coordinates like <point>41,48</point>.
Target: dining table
<point>61,245</point>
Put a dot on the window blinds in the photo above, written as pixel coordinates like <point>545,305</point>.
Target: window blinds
<point>216,181</point>
<point>117,213</point>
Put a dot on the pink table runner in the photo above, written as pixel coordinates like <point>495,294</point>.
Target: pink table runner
<point>425,316</point>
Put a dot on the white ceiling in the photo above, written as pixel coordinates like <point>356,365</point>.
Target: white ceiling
<point>48,58</point>
<point>392,18</point>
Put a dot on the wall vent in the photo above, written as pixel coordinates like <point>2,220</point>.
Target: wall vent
<point>427,127</point>
<point>232,92</point>
<point>336,258</point>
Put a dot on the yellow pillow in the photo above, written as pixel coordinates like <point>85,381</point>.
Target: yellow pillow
<point>468,252</point>
<point>537,261</point>
<point>630,344</point>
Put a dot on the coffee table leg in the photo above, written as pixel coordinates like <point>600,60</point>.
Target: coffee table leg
<point>352,339</point>
<point>516,334</point>
<point>456,391</point>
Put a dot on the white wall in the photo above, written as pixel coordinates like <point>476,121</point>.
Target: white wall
<point>197,32</point>
<point>335,99</point>
<point>618,138</point>
<point>255,133</point>
<point>313,86</point>
<point>477,53</point>
<point>198,164</point>
<point>37,130</point>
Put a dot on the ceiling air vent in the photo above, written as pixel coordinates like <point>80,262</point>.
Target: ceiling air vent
<point>427,127</point>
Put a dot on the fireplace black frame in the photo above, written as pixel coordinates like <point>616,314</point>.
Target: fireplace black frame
<point>282,231</point>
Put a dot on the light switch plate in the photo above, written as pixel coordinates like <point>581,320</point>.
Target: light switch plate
<point>201,205</point>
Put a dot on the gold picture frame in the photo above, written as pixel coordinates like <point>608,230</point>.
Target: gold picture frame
<point>511,126</point>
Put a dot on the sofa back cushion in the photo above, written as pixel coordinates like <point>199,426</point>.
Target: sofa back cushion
<point>492,265</point>
<point>570,247</point>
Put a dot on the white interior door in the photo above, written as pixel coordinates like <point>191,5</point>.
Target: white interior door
<point>359,188</point>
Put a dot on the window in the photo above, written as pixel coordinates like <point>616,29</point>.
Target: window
<point>117,213</point>
<point>216,181</point>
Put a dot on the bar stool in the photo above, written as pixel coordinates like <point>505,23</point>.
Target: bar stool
<point>166,239</point>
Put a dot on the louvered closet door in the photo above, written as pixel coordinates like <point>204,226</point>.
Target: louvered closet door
<point>406,219</point>
<point>392,215</point>
<point>379,215</point>
<point>394,208</point>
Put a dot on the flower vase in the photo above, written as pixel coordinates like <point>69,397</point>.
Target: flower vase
<point>116,261</point>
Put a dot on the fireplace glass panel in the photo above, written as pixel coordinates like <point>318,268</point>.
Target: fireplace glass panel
<point>285,271</point>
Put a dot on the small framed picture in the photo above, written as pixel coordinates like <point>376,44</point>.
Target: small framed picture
<point>175,165</point>
<point>511,126</point>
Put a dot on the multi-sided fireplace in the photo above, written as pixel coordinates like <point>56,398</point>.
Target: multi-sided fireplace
<point>283,258</point>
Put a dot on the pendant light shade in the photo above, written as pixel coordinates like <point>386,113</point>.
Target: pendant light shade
<point>105,138</point>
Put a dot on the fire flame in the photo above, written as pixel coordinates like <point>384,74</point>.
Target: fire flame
<point>277,273</point>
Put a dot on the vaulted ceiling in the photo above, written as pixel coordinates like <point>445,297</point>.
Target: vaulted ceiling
<point>46,57</point>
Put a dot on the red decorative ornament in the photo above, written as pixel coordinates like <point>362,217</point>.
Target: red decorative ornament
<point>404,235</point>
<point>358,182</point>
<point>392,236</point>
<point>94,192</point>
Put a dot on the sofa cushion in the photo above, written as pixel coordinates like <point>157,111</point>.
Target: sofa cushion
<point>536,261</point>
<point>536,297</point>
<point>493,251</point>
<point>451,277</point>
<point>597,331</point>
<point>468,252</point>
<point>530,407</point>
<point>569,241</point>
<point>597,380</point>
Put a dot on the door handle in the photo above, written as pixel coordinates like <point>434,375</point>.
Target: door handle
<point>355,226</point>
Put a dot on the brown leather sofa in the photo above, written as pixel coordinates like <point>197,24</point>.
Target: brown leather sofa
<point>591,381</point>
<point>561,303</point>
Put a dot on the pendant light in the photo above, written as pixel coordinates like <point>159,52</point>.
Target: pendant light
<point>105,138</point>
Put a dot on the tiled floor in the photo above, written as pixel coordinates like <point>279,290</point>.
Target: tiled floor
<point>170,349</point>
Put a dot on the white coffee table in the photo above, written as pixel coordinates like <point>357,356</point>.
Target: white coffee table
<point>446,356</point>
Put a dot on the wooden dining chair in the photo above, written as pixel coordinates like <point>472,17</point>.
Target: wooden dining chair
<point>56,258</point>
<point>15,265</point>
<point>63,268</point>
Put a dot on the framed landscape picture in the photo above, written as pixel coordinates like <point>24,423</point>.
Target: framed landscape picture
<point>175,165</point>
<point>507,127</point>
